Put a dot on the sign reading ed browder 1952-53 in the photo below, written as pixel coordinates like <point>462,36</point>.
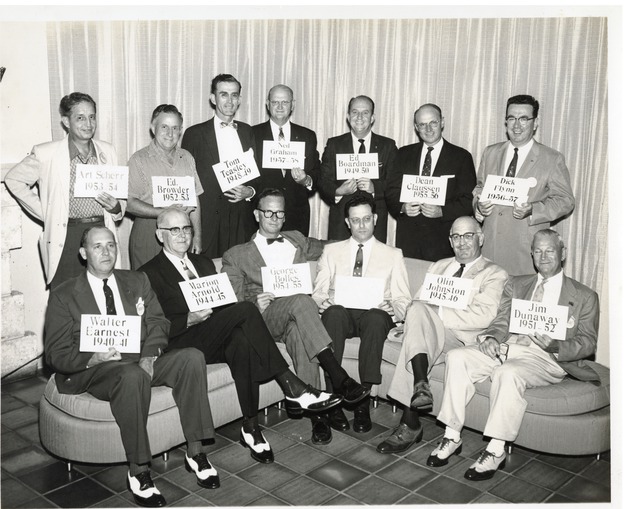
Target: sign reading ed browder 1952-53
<point>506,190</point>
<point>419,189</point>
<point>236,171</point>
<point>528,317</point>
<point>169,191</point>
<point>283,155</point>
<point>289,280</point>
<point>354,166</point>
<point>447,291</point>
<point>94,179</point>
<point>99,333</point>
<point>208,292</point>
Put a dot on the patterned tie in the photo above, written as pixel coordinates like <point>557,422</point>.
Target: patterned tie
<point>189,273</point>
<point>362,147</point>
<point>358,263</point>
<point>426,167</point>
<point>277,239</point>
<point>540,292</point>
<point>229,124</point>
<point>511,171</point>
<point>460,271</point>
<point>109,298</point>
<point>281,135</point>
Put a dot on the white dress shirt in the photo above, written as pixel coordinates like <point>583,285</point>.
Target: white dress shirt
<point>177,262</point>
<point>435,154</point>
<point>523,152</point>
<point>99,295</point>
<point>367,251</point>
<point>276,254</point>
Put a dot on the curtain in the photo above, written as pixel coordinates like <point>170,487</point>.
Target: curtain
<point>469,67</point>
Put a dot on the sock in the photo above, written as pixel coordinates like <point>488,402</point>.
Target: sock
<point>411,418</point>
<point>290,384</point>
<point>452,434</point>
<point>420,367</point>
<point>135,469</point>
<point>332,368</point>
<point>193,448</point>
<point>496,447</point>
<point>250,424</point>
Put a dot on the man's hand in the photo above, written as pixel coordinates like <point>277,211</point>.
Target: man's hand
<point>411,209</point>
<point>386,306</point>
<point>263,300</point>
<point>325,305</point>
<point>239,193</point>
<point>545,342</point>
<point>432,211</point>
<point>365,184</point>
<point>300,176</point>
<point>348,187</point>
<point>146,363</point>
<point>522,211</point>
<point>109,203</point>
<point>195,317</point>
<point>485,208</point>
<point>98,357</point>
<point>489,346</point>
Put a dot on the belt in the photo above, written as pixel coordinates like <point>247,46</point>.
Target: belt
<point>93,219</point>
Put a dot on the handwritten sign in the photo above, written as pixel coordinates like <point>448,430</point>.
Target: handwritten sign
<point>528,317</point>
<point>289,280</point>
<point>283,155</point>
<point>99,333</point>
<point>356,166</point>
<point>173,190</point>
<point>237,171</point>
<point>359,292</point>
<point>208,292</point>
<point>506,190</point>
<point>447,291</point>
<point>429,190</point>
<point>93,179</point>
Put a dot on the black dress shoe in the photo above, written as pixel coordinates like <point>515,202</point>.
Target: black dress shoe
<point>207,476</point>
<point>144,491</point>
<point>338,420</point>
<point>261,452</point>
<point>321,430</point>
<point>362,422</point>
<point>311,399</point>
<point>352,391</point>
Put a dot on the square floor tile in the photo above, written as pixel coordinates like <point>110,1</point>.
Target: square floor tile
<point>486,498</point>
<point>515,461</point>
<point>341,442</point>
<point>267,477</point>
<point>50,477</point>
<point>12,442</point>
<point>15,419</point>
<point>407,474</point>
<point>342,500</point>
<point>574,464</point>
<point>299,430</point>
<point>231,431</point>
<point>581,489</point>
<point>384,416</point>
<point>14,493</point>
<point>115,501</point>
<point>375,491</point>
<point>415,499</point>
<point>448,491</point>
<point>376,430</point>
<point>267,500</point>
<point>457,473</point>
<point>274,416</point>
<point>303,491</point>
<point>190,501</point>
<point>367,458</point>
<point>278,441</point>
<point>40,502</point>
<point>517,491</point>
<point>233,492</point>
<point>115,477</point>
<point>31,393</point>
<point>82,493</point>
<point>175,460</point>
<point>20,462</point>
<point>337,474</point>
<point>30,432</point>
<point>559,499</point>
<point>542,474</point>
<point>301,458</point>
<point>599,472</point>
<point>9,403</point>
<point>232,458</point>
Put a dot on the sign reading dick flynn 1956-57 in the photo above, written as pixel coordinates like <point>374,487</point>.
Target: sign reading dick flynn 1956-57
<point>94,179</point>
<point>236,171</point>
<point>447,291</point>
<point>528,317</point>
<point>99,333</point>
<point>169,191</point>
<point>354,166</point>
<point>419,189</point>
<point>506,190</point>
<point>283,155</point>
<point>208,292</point>
<point>289,280</point>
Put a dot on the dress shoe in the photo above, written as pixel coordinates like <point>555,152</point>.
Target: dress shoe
<point>400,440</point>
<point>362,422</point>
<point>261,452</point>
<point>207,475</point>
<point>144,491</point>
<point>445,449</point>
<point>321,430</point>
<point>485,466</point>
<point>311,399</point>
<point>422,398</point>
<point>352,391</point>
<point>338,420</point>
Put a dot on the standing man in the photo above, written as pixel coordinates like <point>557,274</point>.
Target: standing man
<point>226,218</point>
<point>509,231</point>
<point>515,362</point>
<point>299,183</point>
<point>359,140</point>
<point>422,229</point>
<point>362,255</point>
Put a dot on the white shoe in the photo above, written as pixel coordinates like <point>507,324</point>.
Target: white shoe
<point>260,452</point>
<point>485,466</point>
<point>207,475</point>
<point>144,491</point>
<point>445,449</point>
<point>312,399</point>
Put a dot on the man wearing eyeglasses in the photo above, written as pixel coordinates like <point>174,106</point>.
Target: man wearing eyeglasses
<point>361,139</point>
<point>431,331</point>
<point>422,229</point>
<point>298,183</point>
<point>509,231</point>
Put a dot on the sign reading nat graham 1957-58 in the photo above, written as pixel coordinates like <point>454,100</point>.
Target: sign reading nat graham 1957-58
<point>429,190</point>
<point>208,292</point>
<point>236,171</point>
<point>447,291</point>
<point>528,317</point>
<point>283,155</point>
<point>354,166</point>
<point>506,190</point>
<point>173,190</point>
<point>289,280</point>
<point>94,179</point>
<point>99,333</point>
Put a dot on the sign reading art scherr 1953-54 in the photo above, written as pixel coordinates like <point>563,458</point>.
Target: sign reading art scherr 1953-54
<point>94,179</point>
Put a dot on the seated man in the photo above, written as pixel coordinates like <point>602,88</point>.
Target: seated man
<point>371,258</point>
<point>235,334</point>
<point>125,379</point>
<point>516,362</point>
<point>294,319</point>
<point>430,331</point>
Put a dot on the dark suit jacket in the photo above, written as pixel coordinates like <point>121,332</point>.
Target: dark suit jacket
<point>223,224</point>
<point>420,236</point>
<point>386,149</point>
<point>296,196</point>
<point>73,298</point>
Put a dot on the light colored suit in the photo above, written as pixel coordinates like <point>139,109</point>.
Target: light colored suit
<point>508,240</point>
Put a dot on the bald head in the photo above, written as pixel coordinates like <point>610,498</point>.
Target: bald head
<point>280,104</point>
<point>466,239</point>
<point>174,231</point>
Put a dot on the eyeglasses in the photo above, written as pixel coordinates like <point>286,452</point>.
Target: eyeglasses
<point>271,213</point>
<point>504,348</point>
<point>521,120</point>
<point>423,126</point>
<point>176,230</point>
<point>355,114</point>
<point>468,236</point>
<point>275,104</point>
<point>358,220</point>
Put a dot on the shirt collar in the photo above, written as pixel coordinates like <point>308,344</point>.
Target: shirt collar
<point>366,140</point>
<point>175,260</point>
<point>523,149</point>
<point>286,130</point>
<point>74,151</point>
<point>552,279</point>
<point>368,243</point>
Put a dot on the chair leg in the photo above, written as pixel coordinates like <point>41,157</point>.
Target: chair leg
<point>69,466</point>
<point>279,405</point>
<point>266,411</point>
<point>509,449</point>
<point>599,456</point>
<point>165,456</point>
<point>375,403</point>
<point>394,408</point>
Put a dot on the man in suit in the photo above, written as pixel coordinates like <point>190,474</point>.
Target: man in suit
<point>430,331</point>
<point>509,231</point>
<point>422,229</point>
<point>235,334</point>
<point>362,255</point>
<point>515,362</point>
<point>125,379</point>
<point>360,139</point>
<point>226,218</point>
<point>299,183</point>
<point>294,319</point>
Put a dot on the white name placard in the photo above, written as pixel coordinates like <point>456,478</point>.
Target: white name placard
<point>99,333</point>
<point>506,190</point>
<point>359,292</point>
<point>173,190</point>
<point>208,292</point>
<point>289,280</point>
<point>528,317</point>
<point>447,291</point>
<point>429,190</point>
<point>237,171</point>
<point>94,179</point>
<point>283,155</point>
<point>354,166</point>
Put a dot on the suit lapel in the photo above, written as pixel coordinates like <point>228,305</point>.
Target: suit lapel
<point>126,293</point>
<point>84,296</point>
<point>526,169</point>
<point>568,293</point>
<point>212,141</point>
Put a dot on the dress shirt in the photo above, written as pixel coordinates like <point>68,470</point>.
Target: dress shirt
<point>366,141</point>
<point>228,142</point>
<point>277,254</point>
<point>81,207</point>
<point>451,269</point>
<point>177,262</point>
<point>435,155</point>
<point>367,250</point>
<point>553,287</point>
<point>286,130</point>
<point>522,155</point>
<point>99,296</point>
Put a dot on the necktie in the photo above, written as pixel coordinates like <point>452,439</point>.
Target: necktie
<point>109,298</point>
<point>230,124</point>
<point>189,273</point>
<point>277,239</point>
<point>426,167</point>
<point>362,147</point>
<point>511,171</point>
<point>460,271</point>
<point>281,135</point>
<point>358,263</point>
<point>540,292</point>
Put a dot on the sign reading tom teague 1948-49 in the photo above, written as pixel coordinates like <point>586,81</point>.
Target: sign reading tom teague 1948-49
<point>359,292</point>
<point>528,317</point>
<point>506,190</point>
<point>288,280</point>
<point>208,292</point>
<point>99,333</point>
<point>94,179</point>
<point>419,189</point>
<point>236,171</point>
<point>283,155</point>
<point>173,190</point>
<point>447,291</point>
<point>354,166</point>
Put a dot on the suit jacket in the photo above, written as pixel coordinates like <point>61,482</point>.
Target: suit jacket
<point>422,237</point>
<point>48,166</point>
<point>582,325</point>
<point>296,196</point>
<point>73,298</point>
<point>386,150</point>
<point>223,224</point>
<point>385,262</point>
<point>242,263</point>
<point>507,240</point>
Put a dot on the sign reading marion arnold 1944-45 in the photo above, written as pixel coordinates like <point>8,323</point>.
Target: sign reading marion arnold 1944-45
<point>208,292</point>
<point>99,333</point>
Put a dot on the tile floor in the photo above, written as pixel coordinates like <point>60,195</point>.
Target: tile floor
<point>348,471</point>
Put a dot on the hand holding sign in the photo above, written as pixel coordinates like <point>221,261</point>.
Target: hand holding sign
<point>236,171</point>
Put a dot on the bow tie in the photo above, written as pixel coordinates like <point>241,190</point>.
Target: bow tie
<point>277,239</point>
<point>230,124</point>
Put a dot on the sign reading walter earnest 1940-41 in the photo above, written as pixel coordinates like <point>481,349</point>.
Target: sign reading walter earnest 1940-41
<point>283,155</point>
<point>94,179</point>
<point>208,292</point>
<point>528,317</point>
<point>236,171</point>
<point>99,333</point>
<point>354,166</point>
<point>173,190</point>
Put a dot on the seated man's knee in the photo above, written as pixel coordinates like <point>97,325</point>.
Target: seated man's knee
<point>246,308</point>
<point>302,302</point>
<point>334,312</point>
<point>191,357</point>
<point>376,319</point>
<point>508,374</point>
